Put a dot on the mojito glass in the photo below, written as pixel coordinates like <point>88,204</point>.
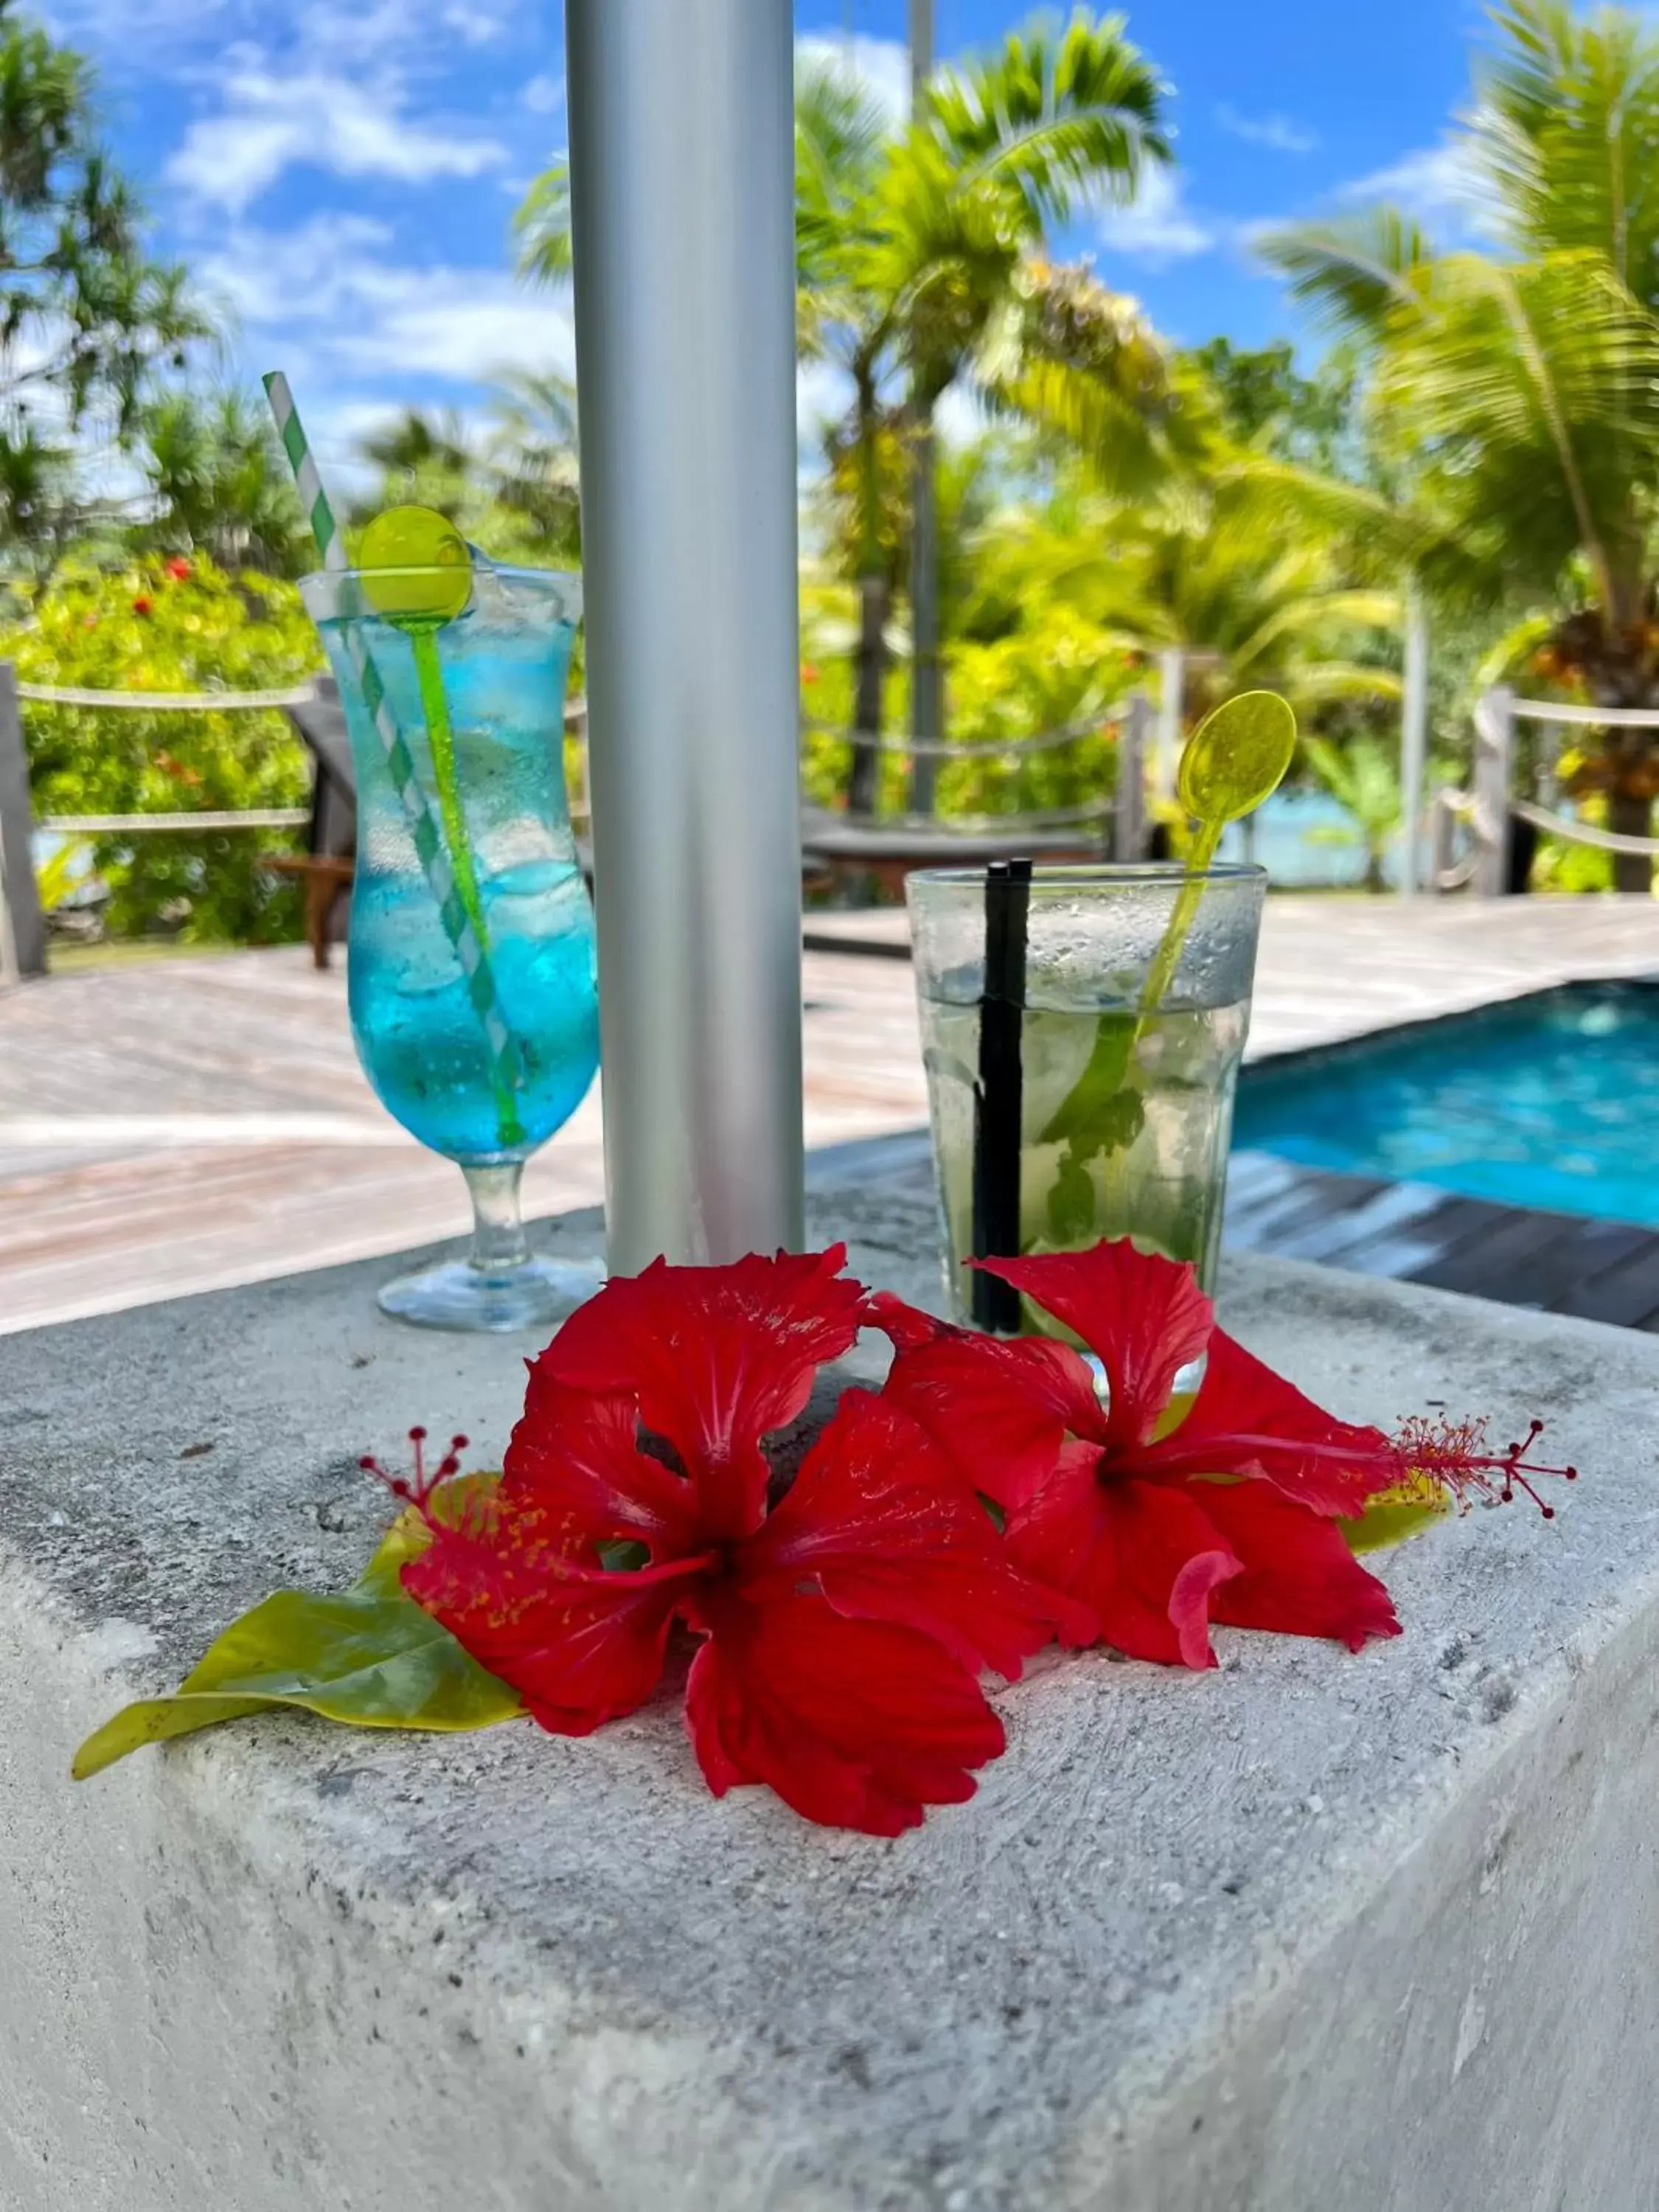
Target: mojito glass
<point>471,972</point>
<point>1125,1090</point>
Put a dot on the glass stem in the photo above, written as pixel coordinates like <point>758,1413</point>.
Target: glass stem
<point>498,1238</point>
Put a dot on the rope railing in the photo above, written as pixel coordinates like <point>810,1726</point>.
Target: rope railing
<point>1607,718</point>
<point>105,825</point>
<point>1583,833</point>
<point>167,702</point>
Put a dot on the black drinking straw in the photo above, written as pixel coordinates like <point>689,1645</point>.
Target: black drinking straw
<point>997,1095</point>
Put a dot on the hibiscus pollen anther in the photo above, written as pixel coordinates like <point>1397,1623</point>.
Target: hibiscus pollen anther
<point>1457,1454</point>
<point>417,1490</point>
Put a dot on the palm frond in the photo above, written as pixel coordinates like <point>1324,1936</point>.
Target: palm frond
<point>542,226</point>
<point>1357,275</point>
<point>1065,119</point>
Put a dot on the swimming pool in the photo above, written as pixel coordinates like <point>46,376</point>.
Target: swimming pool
<point>1550,1102</point>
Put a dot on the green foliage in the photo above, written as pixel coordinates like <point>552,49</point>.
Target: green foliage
<point>1266,404</point>
<point>142,628</point>
<point>1194,568</point>
<point>512,493</point>
<point>1518,397</point>
<point>87,318</point>
<point>1053,670</point>
<point>221,483</point>
<point>368,1658</point>
<point>1362,776</point>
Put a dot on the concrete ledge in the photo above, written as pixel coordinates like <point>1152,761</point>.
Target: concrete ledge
<point>1314,1932</point>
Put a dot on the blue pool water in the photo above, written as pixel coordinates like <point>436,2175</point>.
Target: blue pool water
<point>1552,1102</point>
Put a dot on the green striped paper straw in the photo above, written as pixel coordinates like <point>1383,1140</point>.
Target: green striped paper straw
<point>470,951</point>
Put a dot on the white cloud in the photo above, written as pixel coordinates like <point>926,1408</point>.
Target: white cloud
<point>1159,226</point>
<point>274,277</point>
<point>172,37</point>
<point>880,67</point>
<point>544,95</point>
<point>1434,180</point>
<point>1276,132</point>
<point>328,292</point>
<point>271,122</point>
<point>475,25</point>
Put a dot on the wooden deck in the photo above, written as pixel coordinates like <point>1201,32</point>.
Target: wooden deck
<point>178,1126</point>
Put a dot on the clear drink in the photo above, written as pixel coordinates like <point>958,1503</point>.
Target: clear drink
<point>1155,1169</point>
<point>1125,1109</point>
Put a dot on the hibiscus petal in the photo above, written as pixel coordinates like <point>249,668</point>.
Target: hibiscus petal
<point>854,1723</point>
<point>1145,1557</point>
<point>1142,1316</point>
<point>716,1357</point>
<point>1247,1420</point>
<point>998,1407</point>
<point>580,1646</point>
<point>576,1457</point>
<point>1299,1576</point>
<point>907,1325</point>
<point>883,1522</point>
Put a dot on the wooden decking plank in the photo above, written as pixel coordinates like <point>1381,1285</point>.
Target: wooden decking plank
<point>1625,1294</point>
<point>1496,1258</point>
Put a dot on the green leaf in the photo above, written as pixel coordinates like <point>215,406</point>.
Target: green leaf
<point>368,1657</point>
<point>1091,1118</point>
<point>1393,1514</point>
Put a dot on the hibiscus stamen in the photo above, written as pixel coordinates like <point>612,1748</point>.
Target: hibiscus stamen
<point>1456,1455</point>
<point>417,1490</point>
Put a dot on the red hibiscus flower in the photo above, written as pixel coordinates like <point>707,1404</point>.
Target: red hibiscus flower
<point>842,1627</point>
<point>1161,1524</point>
<point>178,567</point>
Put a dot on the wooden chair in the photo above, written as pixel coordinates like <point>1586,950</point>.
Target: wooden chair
<point>327,864</point>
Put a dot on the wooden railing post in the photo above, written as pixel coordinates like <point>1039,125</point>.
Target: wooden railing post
<point>1494,740</point>
<point>1129,815</point>
<point>22,925</point>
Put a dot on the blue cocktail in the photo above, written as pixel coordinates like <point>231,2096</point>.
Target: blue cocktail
<point>473,998</point>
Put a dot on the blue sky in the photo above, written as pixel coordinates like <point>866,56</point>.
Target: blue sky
<point>341,173</point>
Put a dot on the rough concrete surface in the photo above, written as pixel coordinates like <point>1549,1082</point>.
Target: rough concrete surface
<point>1370,1933</point>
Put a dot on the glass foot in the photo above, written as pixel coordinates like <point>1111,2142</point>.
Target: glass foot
<point>536,1293</point>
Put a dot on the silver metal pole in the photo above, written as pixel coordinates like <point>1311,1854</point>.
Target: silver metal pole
<point>1129,815</point>
<point>23,925</point>
<point>1171,698</point>
<point>682,163</point>
<point>1413,747</point>
<point>927,677</point>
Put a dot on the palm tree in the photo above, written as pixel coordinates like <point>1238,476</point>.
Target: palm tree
<point>1192,568</point>
<point>1517,393</point>
<point>219,481</point>
<point>920,259</point>
<point>512,490</point>
<point>530,452</point>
